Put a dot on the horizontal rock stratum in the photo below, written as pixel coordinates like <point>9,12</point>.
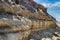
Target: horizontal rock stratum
<point>25,20</point>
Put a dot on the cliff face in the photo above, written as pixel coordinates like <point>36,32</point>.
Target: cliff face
<point>21,19</point>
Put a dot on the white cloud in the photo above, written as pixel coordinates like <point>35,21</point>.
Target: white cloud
<point>57,4</point>
<point>46,4</point>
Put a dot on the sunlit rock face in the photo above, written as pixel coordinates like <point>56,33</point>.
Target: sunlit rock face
<point>25,20</point>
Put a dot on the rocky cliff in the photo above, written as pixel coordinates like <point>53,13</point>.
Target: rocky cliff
<point>25,20</point>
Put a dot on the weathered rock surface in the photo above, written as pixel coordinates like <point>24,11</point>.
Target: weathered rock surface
<point>26,20</point>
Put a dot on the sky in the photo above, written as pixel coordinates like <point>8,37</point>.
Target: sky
<point>53,7</point>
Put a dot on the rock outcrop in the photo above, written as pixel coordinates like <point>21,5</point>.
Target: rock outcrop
<point>25,20</point>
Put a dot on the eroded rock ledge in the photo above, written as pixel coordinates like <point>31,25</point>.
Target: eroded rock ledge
<point>25,20</point>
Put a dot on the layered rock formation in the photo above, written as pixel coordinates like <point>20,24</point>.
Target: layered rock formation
<point>25,20</point>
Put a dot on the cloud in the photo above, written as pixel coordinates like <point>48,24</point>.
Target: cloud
<point>57,4</point>
<point>46,4</point>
